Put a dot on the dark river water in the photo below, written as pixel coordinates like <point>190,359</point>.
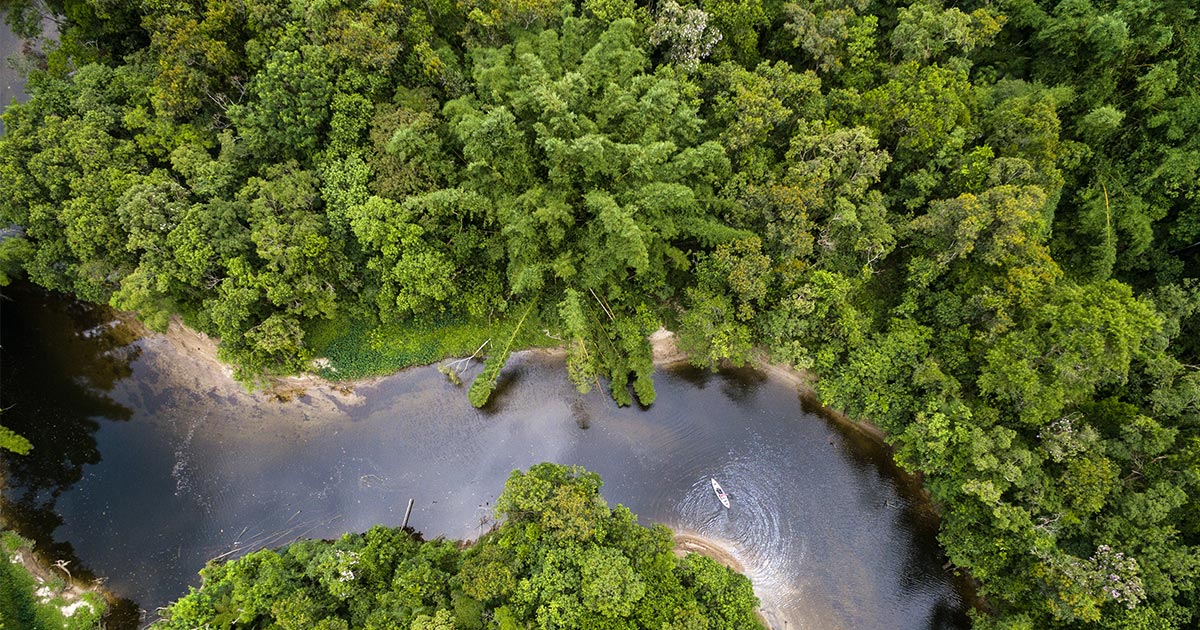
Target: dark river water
<point>148,462</point>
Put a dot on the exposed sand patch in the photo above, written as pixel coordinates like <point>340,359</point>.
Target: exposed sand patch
<point>686,543</point>
<point>188,358</point>
<point>664,347</point>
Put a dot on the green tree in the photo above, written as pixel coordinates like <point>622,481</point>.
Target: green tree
<point>197,47</point>
<point>926,30</point>
<point>837,36</point>
<point>738,22</point>
<point>288,103</point>
<point>411,275</point>
<point>732,287</point>
<point>595,174</point>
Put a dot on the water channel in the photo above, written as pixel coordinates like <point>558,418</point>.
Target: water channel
<point>148,461</point>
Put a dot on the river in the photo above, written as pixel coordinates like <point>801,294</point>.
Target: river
<point>148,461</point>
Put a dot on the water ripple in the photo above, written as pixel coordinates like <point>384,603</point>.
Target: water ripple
<point>752,529</point>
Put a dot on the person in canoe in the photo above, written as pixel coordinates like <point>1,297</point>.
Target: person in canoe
<point>720,492</point>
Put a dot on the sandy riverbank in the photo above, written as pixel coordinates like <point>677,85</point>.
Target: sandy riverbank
<point>687,542</point>
<point>189,358</point>
<point>200,363</point>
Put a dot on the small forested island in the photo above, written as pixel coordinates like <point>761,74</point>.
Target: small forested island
<point>975,223</point>
<point>560,559</point>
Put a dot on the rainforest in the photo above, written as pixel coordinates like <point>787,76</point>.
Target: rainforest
<point>976,224</point>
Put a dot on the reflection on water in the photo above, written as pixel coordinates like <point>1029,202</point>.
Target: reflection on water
<point>53,395</point>
<point>182,470</point>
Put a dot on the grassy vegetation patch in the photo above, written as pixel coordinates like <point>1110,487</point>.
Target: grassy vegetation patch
<point>357,349</point>
<point>27,604</point>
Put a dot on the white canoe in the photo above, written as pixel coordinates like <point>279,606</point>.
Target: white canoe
<point>720,492</point>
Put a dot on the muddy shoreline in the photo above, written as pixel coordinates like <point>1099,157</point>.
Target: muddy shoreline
<point>210,372</point>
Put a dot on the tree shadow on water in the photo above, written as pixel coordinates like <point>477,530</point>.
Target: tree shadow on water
<point>737,384</point>
<point>510,377</point>
<point>692,375</point>
<point>580,412</point>
<point>59,359</point>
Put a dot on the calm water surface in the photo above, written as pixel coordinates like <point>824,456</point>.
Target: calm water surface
<point>143,468</point>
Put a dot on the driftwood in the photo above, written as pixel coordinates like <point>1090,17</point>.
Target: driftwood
<point>451,369</point>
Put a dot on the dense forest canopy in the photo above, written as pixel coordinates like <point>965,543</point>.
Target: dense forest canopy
<point>976,222</point>
<point>560,559</point>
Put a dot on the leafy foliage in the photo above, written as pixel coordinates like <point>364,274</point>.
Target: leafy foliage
<point>14,442</point>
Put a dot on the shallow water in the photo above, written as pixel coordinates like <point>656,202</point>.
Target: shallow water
<point>143,468</point>
<point>12,85</point>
